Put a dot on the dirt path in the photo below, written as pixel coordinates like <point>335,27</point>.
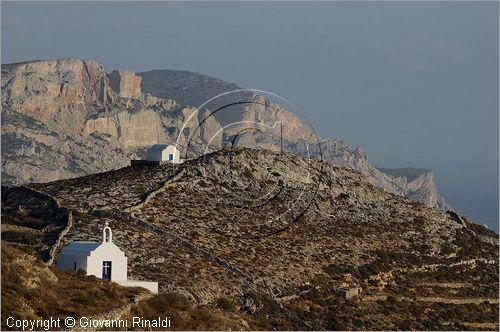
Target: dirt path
<point>431,299</point>
<point>437,299</point>
<point>482,326</point>
<point>477,326</point>
<point>447,284</point>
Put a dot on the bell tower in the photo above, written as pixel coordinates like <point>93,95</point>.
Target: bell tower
<point>107,236</point>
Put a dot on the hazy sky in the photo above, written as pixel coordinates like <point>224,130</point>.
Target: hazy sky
<point>415,84</point>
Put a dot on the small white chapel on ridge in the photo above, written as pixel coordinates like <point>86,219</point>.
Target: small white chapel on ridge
<point>160,154</point>
<point>163,152</point>
<point>101,259</point>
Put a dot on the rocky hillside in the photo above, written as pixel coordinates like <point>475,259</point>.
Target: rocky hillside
<point>277,241</point>
<point>66,118</point>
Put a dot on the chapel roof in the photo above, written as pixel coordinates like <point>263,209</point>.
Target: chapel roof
<point>158,147</point>
<point>82,246</point>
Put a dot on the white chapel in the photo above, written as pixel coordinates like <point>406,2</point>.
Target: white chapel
<point>101,259</point>
<point>163,152</point>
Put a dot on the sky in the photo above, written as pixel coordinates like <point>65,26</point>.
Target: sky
<point>414,84</point>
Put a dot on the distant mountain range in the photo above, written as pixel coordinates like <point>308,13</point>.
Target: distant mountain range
<point>68,117</point>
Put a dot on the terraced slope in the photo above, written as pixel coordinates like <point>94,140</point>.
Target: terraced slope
<point>278,239</point>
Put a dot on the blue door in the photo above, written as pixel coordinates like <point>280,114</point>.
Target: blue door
<point>171,156</point>
<point>106,270</point>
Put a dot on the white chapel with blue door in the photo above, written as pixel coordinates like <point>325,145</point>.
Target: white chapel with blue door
<point>101,259</point>
<point>163,152</point>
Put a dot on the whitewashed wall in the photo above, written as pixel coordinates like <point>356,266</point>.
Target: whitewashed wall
<point>67,262</point>
<point>108,251</point>
<point>162,155</point>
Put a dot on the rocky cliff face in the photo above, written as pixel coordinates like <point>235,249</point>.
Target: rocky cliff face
<point>125,83</point>
<point>127,130</point>
<point>66,118</point>
<point>45,106</point>
<point>61,93</point>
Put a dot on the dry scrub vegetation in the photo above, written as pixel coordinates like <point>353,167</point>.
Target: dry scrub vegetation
<point>248,239</point>
<point>31,290</point>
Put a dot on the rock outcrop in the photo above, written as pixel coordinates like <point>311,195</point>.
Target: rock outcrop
<point>125,83</point>
<point>417,184</point>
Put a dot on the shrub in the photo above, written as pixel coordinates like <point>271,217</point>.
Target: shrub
<point>248,173</point>
<point>392,299</point>
<point>334,269</point>
<point>17,236</point>
<point>33,222</point>
<point>333,323</point>
<point>225,304</point>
